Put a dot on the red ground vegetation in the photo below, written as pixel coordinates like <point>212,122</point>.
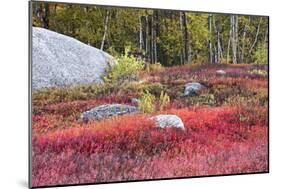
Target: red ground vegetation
<point>228,135</point>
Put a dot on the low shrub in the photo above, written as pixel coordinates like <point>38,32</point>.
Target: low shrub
<point>164,101</point>
<point>127,69</point>
<point>258,72</point>
<point>147,102</point>
<point>154,88</point>
<point>63,94</point>
<point>203,99</point>
<point>130,147</point>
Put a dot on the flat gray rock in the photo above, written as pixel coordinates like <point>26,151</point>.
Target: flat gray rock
<point>107,111</point>
<point>163,121</point>
<point>192,89</point>
<point>59,60</point>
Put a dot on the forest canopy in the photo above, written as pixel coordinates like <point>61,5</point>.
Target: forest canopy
<point>160,36</point>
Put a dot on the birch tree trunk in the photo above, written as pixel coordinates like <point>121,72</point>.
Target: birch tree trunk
<point>185,37</point>
<point>152,40</point>
<point>210,42</point>
<point>234,37</point>
<point>228,44</point>
<point>243,40</point>
<point>140,34</point>
<point>218,50</point>
<point>105,30</point>
<point>146,36</point>
<point>237,39</point>
<point>215,54</point>
<point>183,55</point>
<point>256,37</point>
<point>155,35</point>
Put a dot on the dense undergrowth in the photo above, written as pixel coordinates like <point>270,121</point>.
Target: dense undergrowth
<point>226,128</point>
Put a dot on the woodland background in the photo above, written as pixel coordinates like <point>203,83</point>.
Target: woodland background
<point>160,36</point>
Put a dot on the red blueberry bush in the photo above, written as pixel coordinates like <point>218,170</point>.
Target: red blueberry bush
<point>226,130</point>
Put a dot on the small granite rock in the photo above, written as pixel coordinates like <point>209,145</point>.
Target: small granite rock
<point>192,89</point>
<point>106,111</point>
<point>220,72</point>
<point>135,101</point>
<point>163,121</point>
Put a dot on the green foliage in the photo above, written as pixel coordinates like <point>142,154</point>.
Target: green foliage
<point>204,99</point>
<point>147,102</point>
<point>164,100</point>
<point>83,92</point>
<point>154,88</point>
<point>126,69</point>
<point>261,54</point>
<point>198,24</point>
<point>126,25</point>
<point>258,72</point>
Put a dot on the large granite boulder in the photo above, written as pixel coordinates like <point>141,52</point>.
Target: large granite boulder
<point>192,89</point>
<point>106,111</point>
<point>163,121</point>
<point>59,60</point>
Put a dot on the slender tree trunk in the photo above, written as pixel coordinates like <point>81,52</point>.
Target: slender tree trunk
<point>220,54</point>
<point>234,37</point>
<point>183,55</point>
<point>42,12</point>
<point>237,39</point>
<point>186,37</point>
<point>243,40</point>
<point>105,30</point>
<point>146,36</point>
<point>228,49</point>
<point>185,40</point>
<point>46,16</point>
<point>152,40</point>
<point>256,37</point>
<point>215,54</point>
<point>228,44</point>
<point>55,8</point>
<point>140,34</point>
<point>266,33</point>
<point>155,35</point>
<point>210,41</point>
<point>218,51</point>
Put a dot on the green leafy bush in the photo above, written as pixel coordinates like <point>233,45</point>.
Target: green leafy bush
<point>154,88</point>
<point>147,102</point>
<point>164,101</point>
<point>261,55</point>
<point>204,99</point>
<point>127,69</point>
<point>258,72</point>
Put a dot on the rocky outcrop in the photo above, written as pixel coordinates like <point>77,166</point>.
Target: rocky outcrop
<point>107,111</point>
<point>59,60</point>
